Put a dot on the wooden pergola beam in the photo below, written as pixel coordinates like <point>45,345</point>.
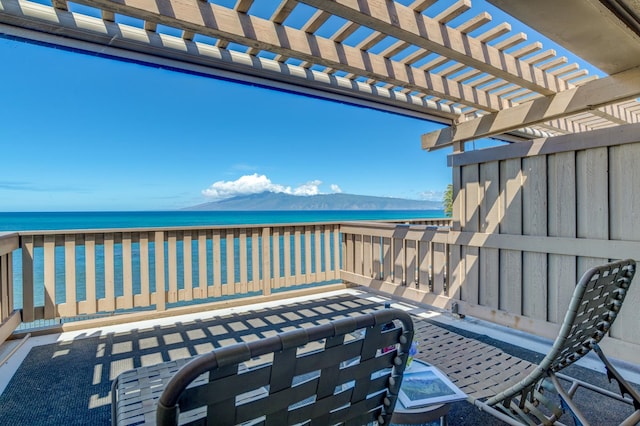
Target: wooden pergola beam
<point>403,23</point>
<point>586,98</point>
<point>261,34</point>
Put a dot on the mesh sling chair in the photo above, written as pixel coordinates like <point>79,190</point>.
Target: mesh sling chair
<point>596,301</point>
<point>346,371</point>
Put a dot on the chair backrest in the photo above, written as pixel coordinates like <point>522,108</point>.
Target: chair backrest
<point>346,371</point>
<point>595,304</point>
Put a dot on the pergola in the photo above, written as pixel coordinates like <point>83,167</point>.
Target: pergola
<point>441,60</point>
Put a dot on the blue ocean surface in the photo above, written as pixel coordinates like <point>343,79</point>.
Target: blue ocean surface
<point>40,221</point>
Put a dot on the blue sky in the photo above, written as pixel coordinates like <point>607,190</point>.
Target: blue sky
<point>86,133</point>
<point>81,132</point>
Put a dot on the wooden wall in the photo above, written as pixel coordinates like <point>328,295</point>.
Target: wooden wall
<point>572,203</point>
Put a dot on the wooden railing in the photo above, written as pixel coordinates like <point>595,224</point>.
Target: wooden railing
<point>9,318</point>
<point>53,277</point>
<point>410,261</point>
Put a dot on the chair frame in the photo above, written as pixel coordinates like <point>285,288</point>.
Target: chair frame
<point>595,304</point>
<point>340,392</point>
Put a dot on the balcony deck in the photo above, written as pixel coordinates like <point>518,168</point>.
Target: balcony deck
<point>65,378</point>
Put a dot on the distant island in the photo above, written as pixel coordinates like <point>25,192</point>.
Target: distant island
<point>282,201</point>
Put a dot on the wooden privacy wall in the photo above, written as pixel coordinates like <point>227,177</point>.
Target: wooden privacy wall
<point>531,218</point>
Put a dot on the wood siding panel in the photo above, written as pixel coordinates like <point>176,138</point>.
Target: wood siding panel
<point>489,285</point>
<point>470,222</point>
<point>562,223</point>
<point>592,200</point>
<point>624,177</point>
<point>511,223</point>
<point>534,222</point>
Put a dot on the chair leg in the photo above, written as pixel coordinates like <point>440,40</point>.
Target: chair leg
<point>566,399</point>
<point>612,373</point>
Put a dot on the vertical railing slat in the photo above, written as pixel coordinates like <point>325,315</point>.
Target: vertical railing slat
<point>242,240</point>
<point>127,270</point>
<point>172,266</point>
<point>229,288</point>
<point>297,248</point>
<point>27,279</point>
<point>49,254</point>
<point>217,265</point>
<point>266,262</point>
<point>202,264</point>
<point>70,275</point>
<point>91,305</point>
<point>187,261</point>
<point>287,257</point>
<point>145,289</point>
<point>336,252</point>
<point>277,279</point>
<point>161,293</point>
<point>109,272</point>
<point>307,254</point>
<point>255,259</point>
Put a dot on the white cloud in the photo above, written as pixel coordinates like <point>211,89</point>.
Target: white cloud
<point>309,188</point>
<point>248,184</point>
<point>255,184</point>
<point>335,188</point>
<point>432,195</point>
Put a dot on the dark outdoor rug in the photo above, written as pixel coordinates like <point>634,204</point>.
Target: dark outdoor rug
<point>69,383</point>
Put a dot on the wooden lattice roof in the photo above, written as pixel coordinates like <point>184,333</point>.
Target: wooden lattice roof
<point>441,60</point>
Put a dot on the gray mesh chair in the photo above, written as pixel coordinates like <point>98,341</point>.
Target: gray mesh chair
<point>596,301</point>
<point>343,372</point>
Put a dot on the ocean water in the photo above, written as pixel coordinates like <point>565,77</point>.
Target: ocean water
<point>39,221</point>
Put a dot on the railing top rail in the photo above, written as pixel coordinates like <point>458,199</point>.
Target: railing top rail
<point>206,227</point>
<point>9,241</point>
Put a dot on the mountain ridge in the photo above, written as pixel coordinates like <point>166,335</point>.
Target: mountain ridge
<point>338,201</point>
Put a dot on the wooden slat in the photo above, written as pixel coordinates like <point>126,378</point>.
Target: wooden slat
<point>397,247</point>
<point>327,252</point>
<point>597,93</point>
<point>266,262</point>
<point>357,255</point>
<point>127,270</point>
<point>367,265</point>
<point>229,288</point>
<point>215,290</point>
<point>242,261</point>
<point>202,265</point>
<point>424,265</point>
<point>511,223</point>
<point>412,261</point>
<point>297,248</point>
<point>336,251</point>
<point>268,36</point>
<point>49,253</point>
<point>470,221</point>
<point>6,287</point>
<point>319,276</point>
<point>161,293</point>
<point>109,303</point>
<point>187,264</point>
<point>27,279</point>
<point>489,284</point>
<point>307,254</point>
<point>562,223</point>
<point>534,265</point>
<point>287,256</point>
<point>145,292</point>
<point>422,31</point>
<point>70,305</point>
<point>172,265</point>
<point>387,263</point>
<point>623,210</point>
<point>278,280</point>
<point>255,259</point>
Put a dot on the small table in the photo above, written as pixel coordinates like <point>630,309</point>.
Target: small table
<point>420,415</point>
